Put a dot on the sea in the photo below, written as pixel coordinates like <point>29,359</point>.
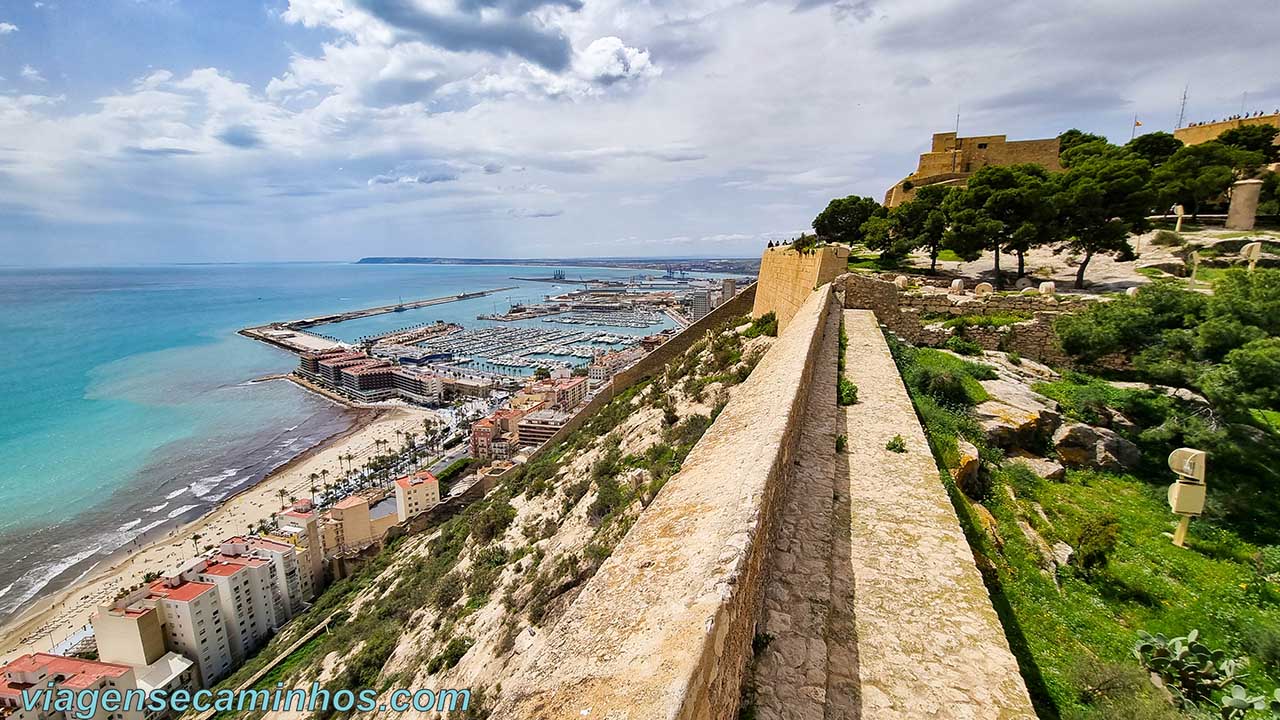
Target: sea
<point>130,403</point>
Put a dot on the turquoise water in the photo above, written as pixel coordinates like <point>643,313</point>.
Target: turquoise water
<point>128,406</point>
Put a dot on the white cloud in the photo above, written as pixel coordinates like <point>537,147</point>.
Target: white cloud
<point>6,28</point>
<point>31,74</point>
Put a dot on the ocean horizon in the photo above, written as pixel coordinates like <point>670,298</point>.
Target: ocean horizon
<point>131,405</point>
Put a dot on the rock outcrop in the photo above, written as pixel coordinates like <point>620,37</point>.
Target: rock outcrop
<point>965,473</point>
<point>1081,445</point>
<point>1042,467</point>
<point>1015,416</point>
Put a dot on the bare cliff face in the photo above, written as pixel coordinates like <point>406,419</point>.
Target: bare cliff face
<point>463,605</point>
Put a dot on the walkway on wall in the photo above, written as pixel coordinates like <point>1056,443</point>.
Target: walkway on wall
<point>874,608</point>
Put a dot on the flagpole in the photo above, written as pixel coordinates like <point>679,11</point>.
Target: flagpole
<point>1133,132</point>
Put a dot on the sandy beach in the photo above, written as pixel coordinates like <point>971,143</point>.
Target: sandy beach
<point>51,619</point>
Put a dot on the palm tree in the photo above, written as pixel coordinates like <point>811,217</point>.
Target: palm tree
<point>283,494</point>
<point>312,488</point>
<point>195,542</point>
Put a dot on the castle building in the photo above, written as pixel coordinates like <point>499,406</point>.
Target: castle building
<point>951,160</point>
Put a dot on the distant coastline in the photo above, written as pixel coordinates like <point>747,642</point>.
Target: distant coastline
<point>749,266</point>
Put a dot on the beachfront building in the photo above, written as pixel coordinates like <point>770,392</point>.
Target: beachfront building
<point>192,620</point>
<point>135,637</point>
<point>35,671</point>
<point>538,427</point>
<point>417,386</point>
<point>363,378</point>
<point>250,608</point>
<point>300,527</point>
<point>286,573</point>
<point>416,494</point>
<point>356,521</point>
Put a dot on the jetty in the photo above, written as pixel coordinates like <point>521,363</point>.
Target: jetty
<point>293,335</point>
<point>382,309</point>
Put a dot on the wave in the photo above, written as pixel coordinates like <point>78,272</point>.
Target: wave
<point>156,508</point>
<point>175,493</point>
<point>35,579</point>
<point>204,486</point>
<point>129,525</point>
<point>181,510</point>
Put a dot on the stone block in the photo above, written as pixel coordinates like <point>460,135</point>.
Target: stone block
<point>983,289</point>
<point>957,287</point>
<point>1048,288</point>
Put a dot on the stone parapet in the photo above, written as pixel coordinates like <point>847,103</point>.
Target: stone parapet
<point>665,628</point>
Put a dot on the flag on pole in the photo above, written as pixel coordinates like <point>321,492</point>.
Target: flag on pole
<point>1137,122</point>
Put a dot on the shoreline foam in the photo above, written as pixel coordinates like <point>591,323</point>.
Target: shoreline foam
<point>58,614</point>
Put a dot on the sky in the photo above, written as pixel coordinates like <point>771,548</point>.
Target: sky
<point>141,131</point>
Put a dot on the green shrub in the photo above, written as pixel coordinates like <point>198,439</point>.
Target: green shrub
<point>451,655</point>
<point>842,442</point>
<point>1263,645</point>
<point>897,444</point>
<point>963,346</point>
<point>766,324</point>
<point>1013,357</point>
<point>1167,238</point>
<point>1096,541</point>
<point>848,392</point>
<point>493,520</point>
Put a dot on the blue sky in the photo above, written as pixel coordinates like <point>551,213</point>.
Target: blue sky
<point>163,130</point>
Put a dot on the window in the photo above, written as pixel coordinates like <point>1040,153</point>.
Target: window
<point>982,146</point>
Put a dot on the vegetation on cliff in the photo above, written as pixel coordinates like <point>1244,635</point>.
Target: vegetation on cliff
<point>452,607</point>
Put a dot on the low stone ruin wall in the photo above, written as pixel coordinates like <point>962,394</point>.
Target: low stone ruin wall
<point>916,312</point>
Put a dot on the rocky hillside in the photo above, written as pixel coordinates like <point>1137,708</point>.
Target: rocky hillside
<point>460,606</point>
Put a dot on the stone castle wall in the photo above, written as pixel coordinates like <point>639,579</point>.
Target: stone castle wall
<point>788,278</point>
<point>1196,134</point>
<point>664,630</point>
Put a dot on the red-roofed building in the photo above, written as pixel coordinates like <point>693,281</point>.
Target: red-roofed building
<point>193,622</point>
<point>416,494</point>
<point>34,672</point>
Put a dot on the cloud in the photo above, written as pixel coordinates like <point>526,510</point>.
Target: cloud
<point>511,32</point>
<point>241,136</point>
<point>6,28</point>
<point>525,213</point>
<point>416,179</point>
<point>158,152</point>
<point>607,61</point>
<point>31,74</point>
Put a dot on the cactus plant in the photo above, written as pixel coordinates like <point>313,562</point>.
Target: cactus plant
<point>1189,670</point>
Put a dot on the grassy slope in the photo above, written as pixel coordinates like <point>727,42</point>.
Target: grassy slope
<point>1148,584</point>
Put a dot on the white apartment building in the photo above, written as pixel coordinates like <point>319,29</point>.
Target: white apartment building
<point>248,601</point>
<point>193,624</point>
<point>284,558</point>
